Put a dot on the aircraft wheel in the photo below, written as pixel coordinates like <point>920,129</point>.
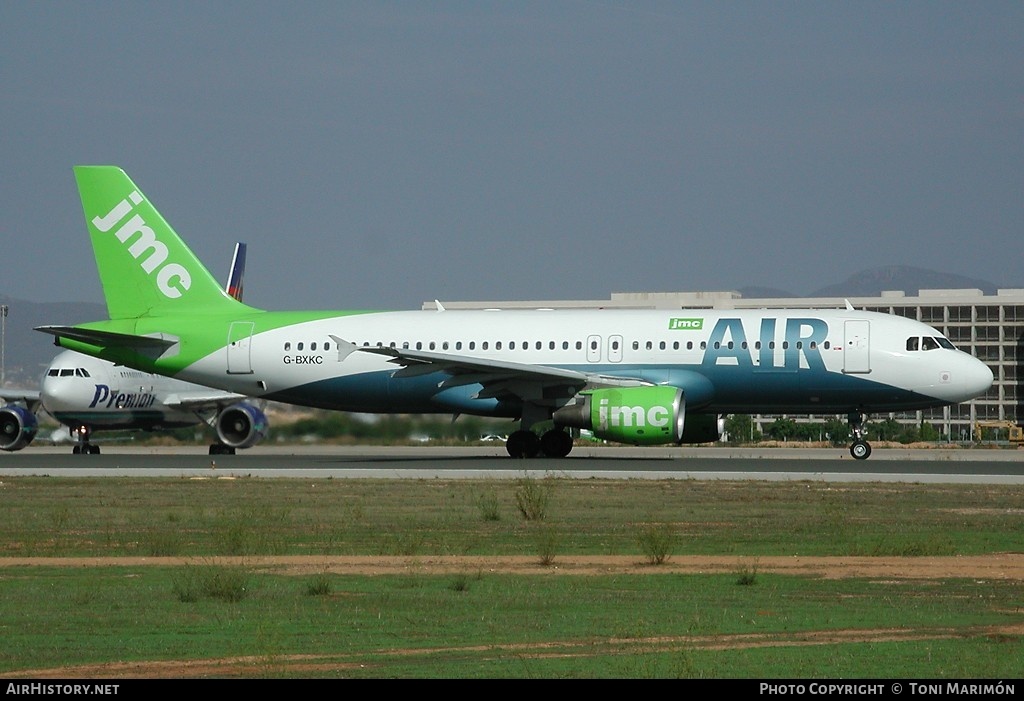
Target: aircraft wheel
<point>860,450</point>
<point>523,444</point>
<point>76,450</point>
<point>94,450</point>
<point>556,443</point>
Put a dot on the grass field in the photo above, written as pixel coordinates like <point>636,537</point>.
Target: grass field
<point>526,578</point>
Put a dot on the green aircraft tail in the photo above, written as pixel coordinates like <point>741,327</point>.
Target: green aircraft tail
<point>144,267</point>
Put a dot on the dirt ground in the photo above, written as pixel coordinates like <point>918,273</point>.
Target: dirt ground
<point>1008,566</point>
<point>998,566</point>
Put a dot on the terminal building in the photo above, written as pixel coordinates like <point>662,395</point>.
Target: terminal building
<point>989,327</point>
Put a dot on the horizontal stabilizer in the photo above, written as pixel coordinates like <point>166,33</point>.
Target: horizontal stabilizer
<point>108,338</point>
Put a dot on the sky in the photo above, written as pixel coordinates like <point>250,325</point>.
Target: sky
<point>377,155</point>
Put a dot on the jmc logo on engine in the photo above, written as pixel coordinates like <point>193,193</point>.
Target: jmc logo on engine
<point>611,416</point>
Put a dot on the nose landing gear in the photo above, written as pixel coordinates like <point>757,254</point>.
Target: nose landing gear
<point>860,449</point>
<point>83,446</point>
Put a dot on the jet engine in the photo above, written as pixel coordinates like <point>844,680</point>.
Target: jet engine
<point>18,427</point>
<point>241,425</point>
<point>638,416</point>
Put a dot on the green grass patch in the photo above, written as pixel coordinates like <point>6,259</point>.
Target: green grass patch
<point>744,624</point>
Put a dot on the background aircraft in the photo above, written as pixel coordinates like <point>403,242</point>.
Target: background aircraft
<point>628,376</point>
<point>86,394</point>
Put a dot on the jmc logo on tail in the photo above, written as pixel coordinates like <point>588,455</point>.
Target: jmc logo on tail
<point>172,279</point>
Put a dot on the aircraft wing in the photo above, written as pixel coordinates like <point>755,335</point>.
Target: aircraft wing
<point>28,397</point>
<point>197,400</point>
<point>500,378</point>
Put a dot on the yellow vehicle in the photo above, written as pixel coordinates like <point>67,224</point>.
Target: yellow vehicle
<point>1015,433</point>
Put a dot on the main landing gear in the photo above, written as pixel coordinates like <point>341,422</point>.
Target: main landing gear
<point>221,449</point>
<point>524,443</point>
<point>860,449</point>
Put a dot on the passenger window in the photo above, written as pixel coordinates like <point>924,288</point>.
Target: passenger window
<point>298,347</point>
<point>312,346</point>
<point>287,345</point>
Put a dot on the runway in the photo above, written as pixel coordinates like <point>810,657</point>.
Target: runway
<point>969,466</point>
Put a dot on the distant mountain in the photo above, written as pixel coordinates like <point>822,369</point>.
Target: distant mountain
<point>871,283</point>
<point>27,353</point>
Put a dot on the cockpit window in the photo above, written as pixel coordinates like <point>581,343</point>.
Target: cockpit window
<point>928,343</point>
<point>67,372</point>
<point>81,372</point>
<point>53,372</point>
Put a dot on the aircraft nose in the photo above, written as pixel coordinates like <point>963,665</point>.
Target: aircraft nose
<point>970,379</point>
<point>58,393</point>
<point>977,378</point>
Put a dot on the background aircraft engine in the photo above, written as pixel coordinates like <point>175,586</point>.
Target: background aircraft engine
<point>18,427</point>
<point>241,426</point>
<point>633,415</point>
<point>703,428</point>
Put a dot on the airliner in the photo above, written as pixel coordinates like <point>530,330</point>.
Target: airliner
<point>640,377</point>
<point>86,394</point>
